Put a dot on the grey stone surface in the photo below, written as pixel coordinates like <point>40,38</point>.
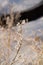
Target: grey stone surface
<point>19,5</point>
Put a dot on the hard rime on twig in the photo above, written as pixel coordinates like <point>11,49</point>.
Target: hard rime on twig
<point>19,43</point>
